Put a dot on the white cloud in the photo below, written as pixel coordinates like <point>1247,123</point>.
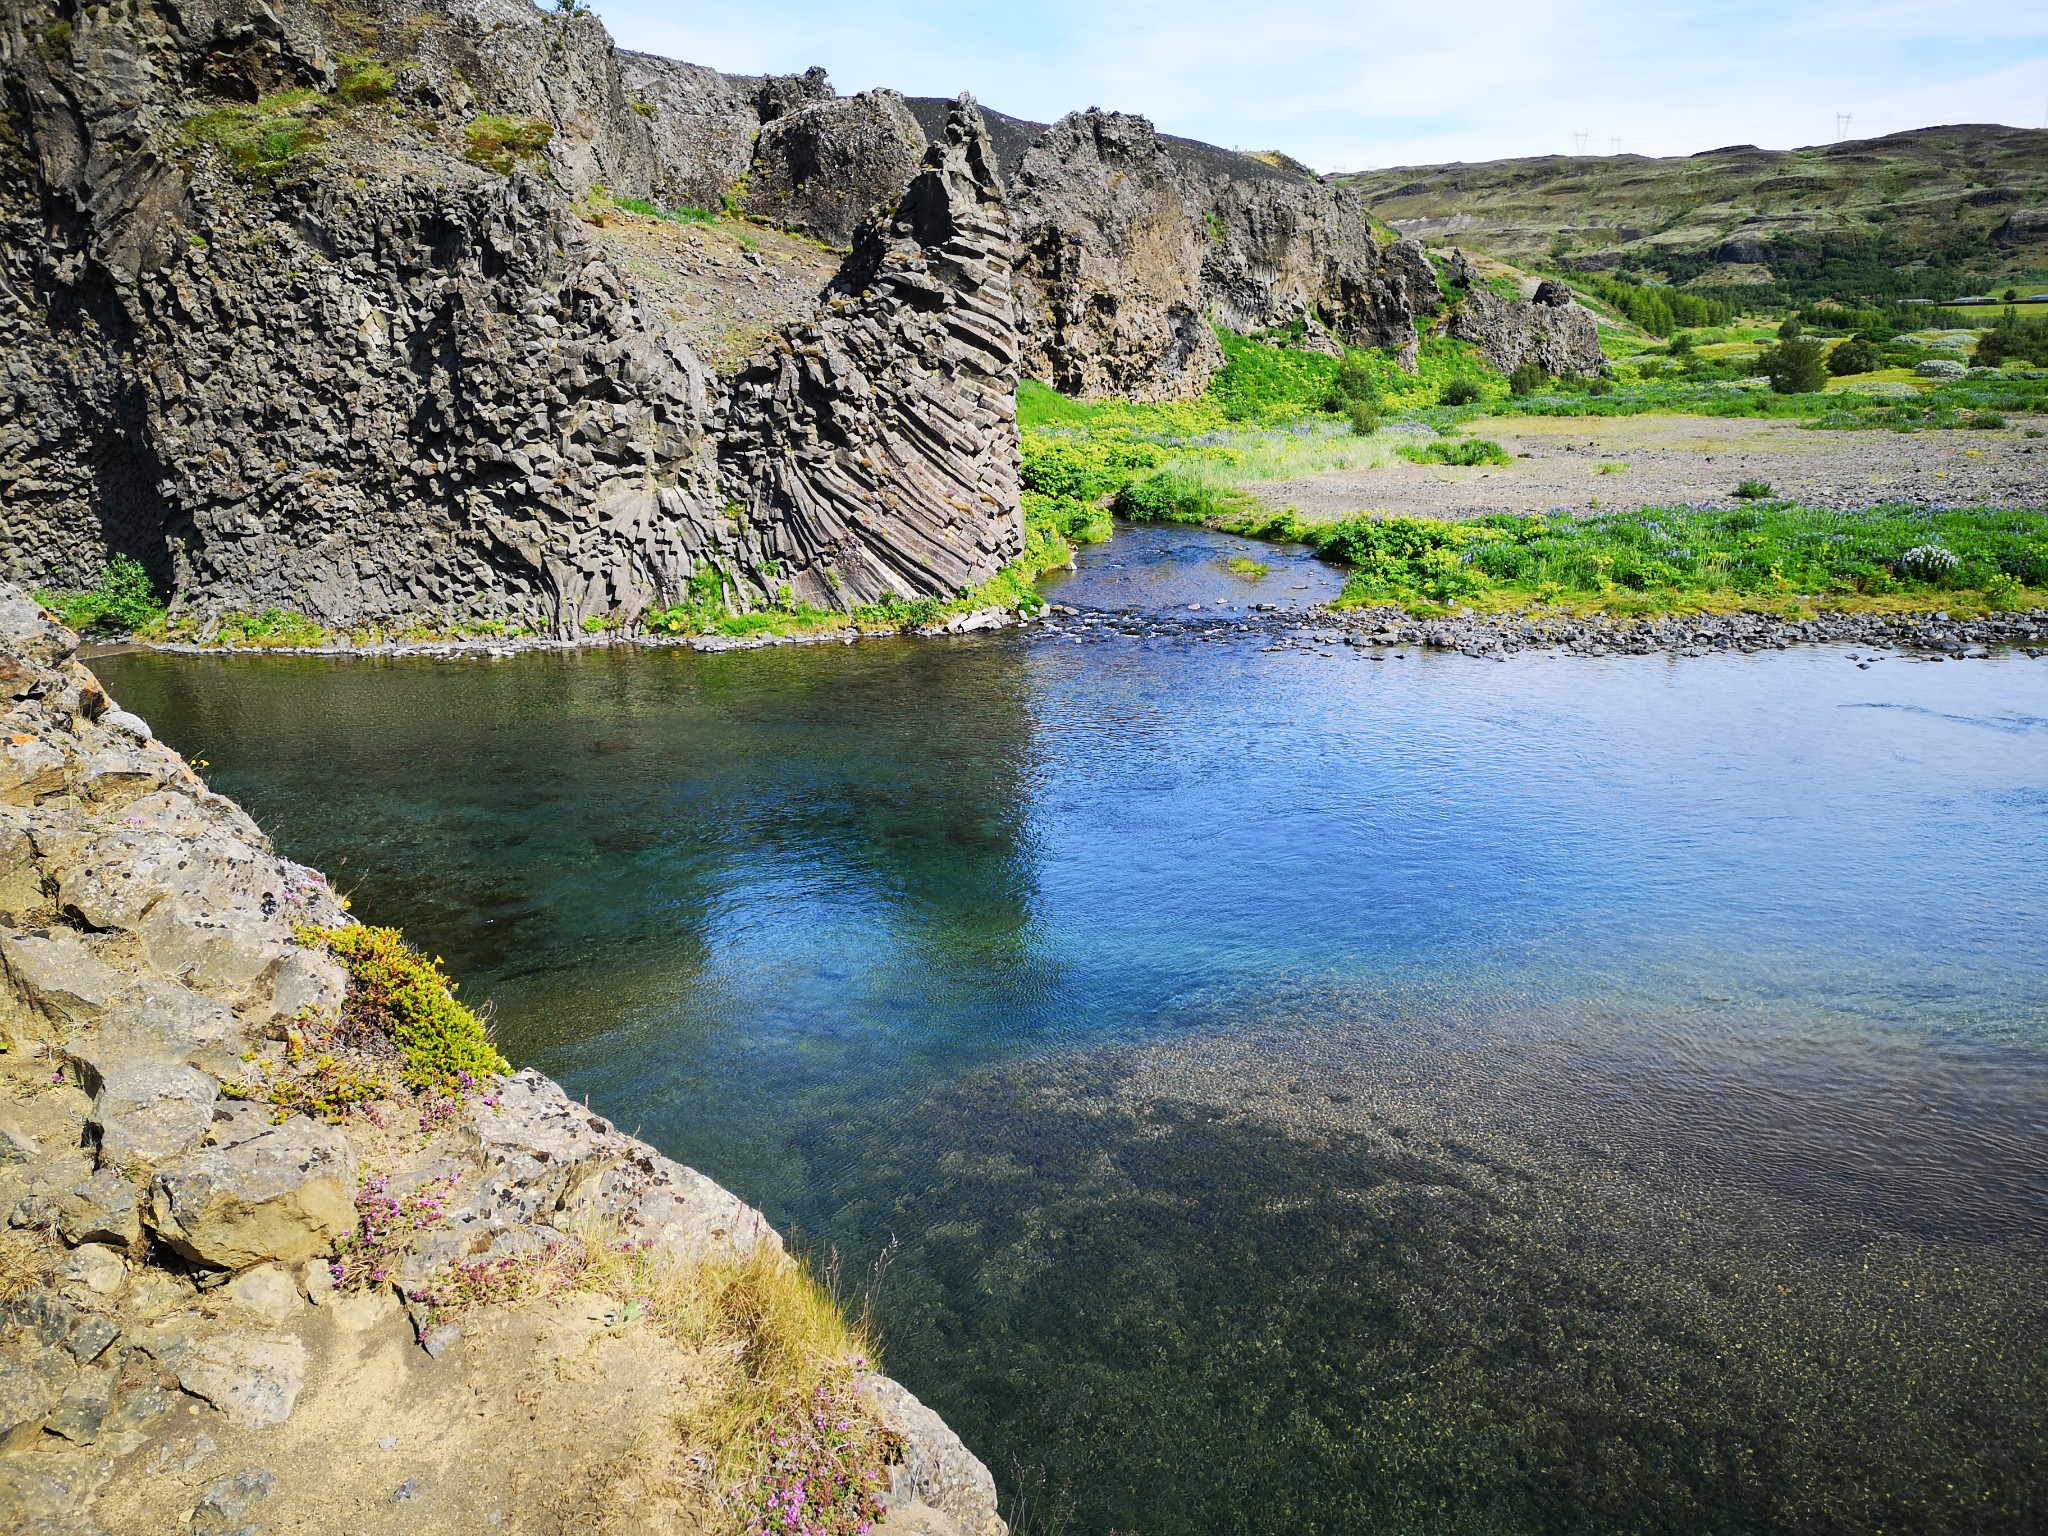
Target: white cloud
<point>1360,83</point>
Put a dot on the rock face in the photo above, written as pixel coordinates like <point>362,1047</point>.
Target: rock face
<point>824,167</point>
<point>388,375</point>
<point>103,1330</point>
<point>1552,331</point>
<point>1131,244</point>
<point>865,437</point>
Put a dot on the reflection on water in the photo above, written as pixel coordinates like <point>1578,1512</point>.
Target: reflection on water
<point>1464,1096</point>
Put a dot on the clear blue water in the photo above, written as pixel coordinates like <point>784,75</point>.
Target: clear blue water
<point>1312,1090</point>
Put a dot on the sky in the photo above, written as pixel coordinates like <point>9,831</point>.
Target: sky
<point>1359,84</point>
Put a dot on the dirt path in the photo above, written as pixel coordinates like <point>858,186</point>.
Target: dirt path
<point>1670,460</point>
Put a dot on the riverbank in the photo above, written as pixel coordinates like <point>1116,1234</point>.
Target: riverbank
<point>276,1255</point>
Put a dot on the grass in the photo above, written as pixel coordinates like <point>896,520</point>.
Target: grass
<point>121,599</point>
<point>1469,452</point>
<point>1769,557</point>
<point>266,138</point>
<point>501,143</point>
<point>1243,565</point>
<point>395,993</point>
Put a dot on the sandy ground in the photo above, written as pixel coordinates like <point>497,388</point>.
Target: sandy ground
<point>1671,460</point>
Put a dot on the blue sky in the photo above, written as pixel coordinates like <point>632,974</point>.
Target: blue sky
<point>1353,84</point>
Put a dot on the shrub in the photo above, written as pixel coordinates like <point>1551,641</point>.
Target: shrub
<point>1853,356</point>
<point>313,1079</point>
<point>500,143</point>
<point>363,82</point>
<point>1754,490</point>
<point>1364,416</point>
<point>1526,379</point>
<point>120,598</point>
<point>397,994</point>
<point>1987,421</point>
<point>1466,452</point>
<point>1461,392</point>
<point>1172,495</point>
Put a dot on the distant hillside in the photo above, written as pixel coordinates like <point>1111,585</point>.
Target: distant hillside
<point>1933,212</point>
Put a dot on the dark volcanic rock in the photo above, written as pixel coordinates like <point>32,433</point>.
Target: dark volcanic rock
<point>1129,243</point>
<point>879,441</point>
<point>825,166</point>
<point>1552,331</point>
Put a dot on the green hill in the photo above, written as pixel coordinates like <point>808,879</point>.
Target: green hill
<point>1932,213</point>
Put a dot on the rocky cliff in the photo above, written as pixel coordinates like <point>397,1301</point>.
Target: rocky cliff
<point>1549,330</point>
<point>177,1342</point>
<point>300,326</point>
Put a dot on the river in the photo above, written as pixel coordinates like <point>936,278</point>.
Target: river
<point>1307,1089</point>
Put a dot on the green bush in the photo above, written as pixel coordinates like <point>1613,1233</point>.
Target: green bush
<point>120,598</point>
<point>1987,421</point>
<point>1754,490</point>
<point>1526,379</point>
<point>1172,495</point>
<point>396,993</point>
<point>1853,356</point>
<point>1461,392</point>
<point>500,143</point>
<point>1083,469</point>
<point>1466,452</point>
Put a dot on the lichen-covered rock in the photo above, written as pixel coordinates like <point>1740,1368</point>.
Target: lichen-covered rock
<point>151,1113</point>
<point>283,1195</point>
<point>53,977</point>
<point>936,1469</point>
<point>105,1208</point>
<point>254,1380</point>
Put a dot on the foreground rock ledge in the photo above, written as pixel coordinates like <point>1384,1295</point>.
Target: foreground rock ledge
<point>172,1350</point>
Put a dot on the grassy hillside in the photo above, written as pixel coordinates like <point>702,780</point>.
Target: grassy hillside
<point>1923,213</point>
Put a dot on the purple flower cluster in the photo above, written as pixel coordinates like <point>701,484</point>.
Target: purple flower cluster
<point>825,1474</point>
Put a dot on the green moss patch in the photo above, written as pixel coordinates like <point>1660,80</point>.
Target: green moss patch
<point>399,994</point>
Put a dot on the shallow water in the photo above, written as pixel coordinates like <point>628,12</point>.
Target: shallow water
<point>1310,1093</point>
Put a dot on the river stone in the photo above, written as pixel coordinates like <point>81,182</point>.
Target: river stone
<point>55,975</point>
<point>104,1209</point>
<point>266,1292</point>
<point>152,1113</point>
<point>254,1381</point>
<point>283,1195</point>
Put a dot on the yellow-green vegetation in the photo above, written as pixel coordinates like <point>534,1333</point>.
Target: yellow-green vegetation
<point>121,599</point>
<point>1243,565</point>
<point>1469,452</point>
<point>315,1078</point>
<point>398,994</point>
<point>266,138</point>
<point>785,1350</point>
<point>501,143</point>
<point>363,82</point>
<point>1769,556</point>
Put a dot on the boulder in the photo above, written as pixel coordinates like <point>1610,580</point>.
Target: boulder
<point>83,1407</point>
<point>25,1400</point>
<point>936,1469</point>
<point>283,1195</point>
<point>151,1113</point>
<point>105,1209</point>
<point>157,1021</point>
<point>55,977</point>
<point>824,166</point>
<point>253,1380</point>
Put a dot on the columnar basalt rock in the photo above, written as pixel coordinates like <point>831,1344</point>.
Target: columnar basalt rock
<point>878,441</point>
<point>378,383</point>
